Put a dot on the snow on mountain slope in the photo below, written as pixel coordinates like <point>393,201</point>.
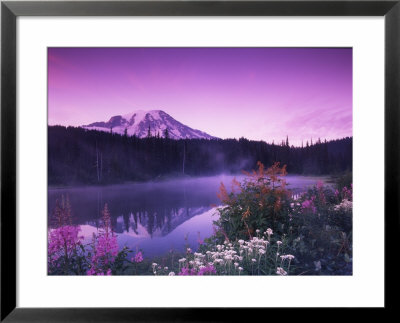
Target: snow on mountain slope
<point>138,123</point>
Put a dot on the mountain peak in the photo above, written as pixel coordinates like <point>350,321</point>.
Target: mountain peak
<point>141,114</point>
<point>138,123</point>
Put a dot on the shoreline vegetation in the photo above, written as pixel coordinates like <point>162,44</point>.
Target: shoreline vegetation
<point>77,156</point>
<point>262,229</point>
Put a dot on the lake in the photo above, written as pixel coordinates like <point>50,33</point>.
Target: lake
<point>155,217</point>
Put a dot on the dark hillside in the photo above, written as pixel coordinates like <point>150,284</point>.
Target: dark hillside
<point>78,156</point>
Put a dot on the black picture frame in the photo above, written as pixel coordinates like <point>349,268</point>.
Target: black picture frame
<point>10,10</point>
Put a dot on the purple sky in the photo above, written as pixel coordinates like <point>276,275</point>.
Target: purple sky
<point>258,93</point>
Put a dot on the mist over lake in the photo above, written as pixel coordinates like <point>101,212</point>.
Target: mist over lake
<point>156,216</point>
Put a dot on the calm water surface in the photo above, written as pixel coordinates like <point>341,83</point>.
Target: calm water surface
<point>155,216</point>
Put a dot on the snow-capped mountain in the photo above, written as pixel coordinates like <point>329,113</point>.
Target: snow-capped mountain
<point>138,123</point>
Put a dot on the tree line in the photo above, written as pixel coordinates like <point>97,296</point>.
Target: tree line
<point>78,156</point>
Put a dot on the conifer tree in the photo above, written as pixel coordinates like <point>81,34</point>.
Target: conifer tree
<point>166,133</point>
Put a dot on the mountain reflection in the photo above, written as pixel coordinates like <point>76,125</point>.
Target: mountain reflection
<point>151,209</point>
<point>154,223</point>
<point>155,217</point>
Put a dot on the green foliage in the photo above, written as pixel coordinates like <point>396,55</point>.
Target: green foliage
<point>317,225</point>
<point>260,202</point>
<point>344,180</point>
<point>78,262</point>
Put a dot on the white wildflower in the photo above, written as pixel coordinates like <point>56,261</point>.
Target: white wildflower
<point>281,271</point>
<point>345,205</point>
<point>228,257</point>
<point>290,257</point>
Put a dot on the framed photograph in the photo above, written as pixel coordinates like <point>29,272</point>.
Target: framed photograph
<point>180,155</point>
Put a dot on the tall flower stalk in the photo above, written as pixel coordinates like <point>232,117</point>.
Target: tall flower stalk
<point>105,247</point>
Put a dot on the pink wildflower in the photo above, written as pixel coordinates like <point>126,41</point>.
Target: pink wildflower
<point>347,194</point>
<point>63,241</point>
<point>308,205</point>
<point>105,246</point>
<point>185,271</point>
<point>91,272</point>
<point>207,270</point>
<point>138,257</point>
